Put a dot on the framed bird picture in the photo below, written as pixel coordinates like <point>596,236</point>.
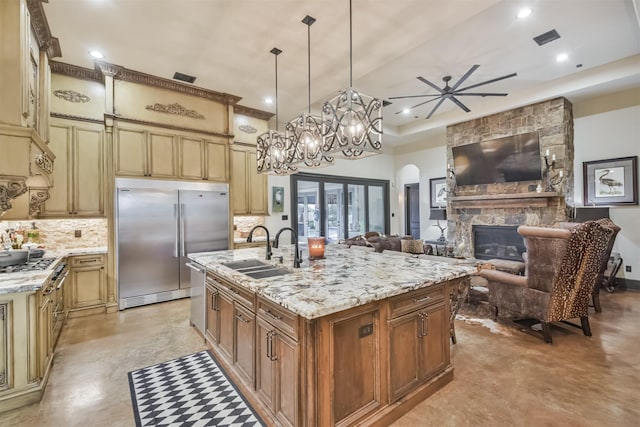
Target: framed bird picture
<point>611,182</point>
<point>438,190</point>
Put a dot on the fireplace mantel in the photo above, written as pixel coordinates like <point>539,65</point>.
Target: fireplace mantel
<point>518,200</point>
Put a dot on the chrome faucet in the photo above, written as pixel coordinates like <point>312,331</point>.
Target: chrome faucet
<point>250,239</point>
<point>297,259</point>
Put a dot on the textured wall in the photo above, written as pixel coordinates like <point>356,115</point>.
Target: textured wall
<point>243,224</point>
<point>553,120</point>
<point>60,233</point>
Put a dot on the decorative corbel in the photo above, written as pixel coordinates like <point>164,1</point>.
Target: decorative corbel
<point>37,196</point>
<point>13,187</point>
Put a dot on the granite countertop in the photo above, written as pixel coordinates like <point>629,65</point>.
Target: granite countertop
<point>346,278</point>
<point>30,281</point>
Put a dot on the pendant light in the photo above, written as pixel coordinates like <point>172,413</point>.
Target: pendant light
<point>306,129</point>
<point>352,121</point>
<point>275,152</point>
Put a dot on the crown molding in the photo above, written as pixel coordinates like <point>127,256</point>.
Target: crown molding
<point>41,28</point>
<point>132,76</point>
<point>76,71</point>
<point>75,118</point>
<point>165,126</point>
<point>252,112</point>
<point>120,73</point>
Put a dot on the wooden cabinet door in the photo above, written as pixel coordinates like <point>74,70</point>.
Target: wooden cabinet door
<point>162,155</point>
<point>88,168</point>
<point>244,343</point>
<point>191,158</point>
<point>257,187</point>
<point>87,287</point>
<point>59,203</point>
<point>434,344</point>
<point>286,354</point>
<point>404,358</point>
<point>130,152</point>
<point>226,313</point>
<point>44,340</point>
<point>265,369</point>
<point>217,165</point>
<point>239,183</point>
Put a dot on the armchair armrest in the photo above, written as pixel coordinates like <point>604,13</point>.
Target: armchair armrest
<point>503,277</point>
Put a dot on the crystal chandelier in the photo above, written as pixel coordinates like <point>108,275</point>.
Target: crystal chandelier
<point>275,151</point>
<point>306,129</point>
<point>352,121</point>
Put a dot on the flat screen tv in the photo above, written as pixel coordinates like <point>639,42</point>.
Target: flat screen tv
<point>509,159</point>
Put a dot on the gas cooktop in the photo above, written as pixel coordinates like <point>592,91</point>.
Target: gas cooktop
<point>35,265</point>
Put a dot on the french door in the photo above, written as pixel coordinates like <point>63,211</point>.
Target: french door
<point>338,207</point>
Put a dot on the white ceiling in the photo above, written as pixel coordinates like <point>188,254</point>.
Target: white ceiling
<point>226,44</point>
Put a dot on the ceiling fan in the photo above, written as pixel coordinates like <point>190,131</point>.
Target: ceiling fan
<point>451,92</point>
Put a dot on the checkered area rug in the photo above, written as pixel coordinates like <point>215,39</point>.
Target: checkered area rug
<point>188,391</point>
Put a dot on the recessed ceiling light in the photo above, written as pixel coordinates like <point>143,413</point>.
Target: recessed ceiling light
<point>268,100</point>
<point>406,111</point>
<point>96,54</point>
<point>524,13</point>
<point>562,57</point>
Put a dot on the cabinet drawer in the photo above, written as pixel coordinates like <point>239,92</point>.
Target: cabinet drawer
<point>86,260</point>
<point>279,317</point>
<point>406,303</point>
<point>238,293</point>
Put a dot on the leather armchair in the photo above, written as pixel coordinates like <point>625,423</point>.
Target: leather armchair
<point>562,267</point>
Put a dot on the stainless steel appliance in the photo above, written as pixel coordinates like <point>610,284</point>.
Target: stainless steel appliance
<point>157,224</point>
<point>31,265</point>
<point>198,291</point>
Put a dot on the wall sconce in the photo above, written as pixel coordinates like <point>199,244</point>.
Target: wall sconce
<point>552,177</point>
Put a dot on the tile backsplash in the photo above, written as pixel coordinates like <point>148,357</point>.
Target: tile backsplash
<point>60,233</point>
<point>243,224</point>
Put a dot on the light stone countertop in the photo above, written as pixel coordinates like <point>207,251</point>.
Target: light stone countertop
<point>346,278</point>
<point>256,239</point>
<point>30,281</point>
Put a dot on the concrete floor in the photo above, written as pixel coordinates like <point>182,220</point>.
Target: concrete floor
<point>502,377</point>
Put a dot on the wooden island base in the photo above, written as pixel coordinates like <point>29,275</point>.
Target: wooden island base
<point>368,365</point>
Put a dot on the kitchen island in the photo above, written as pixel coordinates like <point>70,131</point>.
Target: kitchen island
<point>354,338</point>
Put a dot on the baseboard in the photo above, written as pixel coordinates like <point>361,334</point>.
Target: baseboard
<point>628,284</point>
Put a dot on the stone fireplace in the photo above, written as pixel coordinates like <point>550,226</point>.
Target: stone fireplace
<point>514,203</point>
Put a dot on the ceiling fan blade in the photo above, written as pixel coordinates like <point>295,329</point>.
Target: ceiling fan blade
<point>459,104</point>
<point>465,77</point>
<point>435,108</point>
<point>423,80</point>
<point>413,96</point>
<point>488,81</point>
<point>481,94</point>
<point>422,103</point>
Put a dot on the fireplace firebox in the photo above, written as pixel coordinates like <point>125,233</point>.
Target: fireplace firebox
<point>497,241</point>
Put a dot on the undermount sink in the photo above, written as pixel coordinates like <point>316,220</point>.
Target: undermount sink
<point>256,269</point>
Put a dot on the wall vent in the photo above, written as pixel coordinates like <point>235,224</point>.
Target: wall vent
<point>547,37</point>
<point>184,77</point>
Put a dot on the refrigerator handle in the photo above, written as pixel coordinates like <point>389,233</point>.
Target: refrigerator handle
<point>182,251</point>
<point>177,235</point>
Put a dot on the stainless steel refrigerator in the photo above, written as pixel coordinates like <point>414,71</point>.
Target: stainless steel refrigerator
<point>158,223</point>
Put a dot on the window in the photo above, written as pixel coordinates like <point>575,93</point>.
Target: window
<point>338,207</point>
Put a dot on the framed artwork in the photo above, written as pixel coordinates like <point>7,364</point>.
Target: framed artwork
<point>438,189</point>
<point>611,182</point>
<point>277,199</point>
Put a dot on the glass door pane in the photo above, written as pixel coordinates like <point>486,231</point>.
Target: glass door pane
<point>376,209</point>
<point>334,208</point>
<point>308,210</point>
<point>357,210</point>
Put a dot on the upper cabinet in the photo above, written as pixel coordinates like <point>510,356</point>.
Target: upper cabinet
<point>147,151</point>
<point>248,187</point>
<point>78,178</point>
